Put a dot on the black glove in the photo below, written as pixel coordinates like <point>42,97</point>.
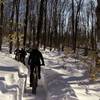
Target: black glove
<point>43,64</point>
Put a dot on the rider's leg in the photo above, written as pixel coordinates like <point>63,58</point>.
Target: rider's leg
<point>31,75</point>
<point>23,60</point>
<point>39,72</point>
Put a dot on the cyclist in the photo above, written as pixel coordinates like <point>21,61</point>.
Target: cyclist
<point>22,55</point>
<point>35,60</point>
<point>17,54</point>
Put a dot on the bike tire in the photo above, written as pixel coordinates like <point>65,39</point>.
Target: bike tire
<point>34,83</point>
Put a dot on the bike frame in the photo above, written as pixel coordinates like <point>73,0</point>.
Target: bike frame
<point>35,80</point>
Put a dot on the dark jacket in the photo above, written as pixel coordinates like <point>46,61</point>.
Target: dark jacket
<point>35,58</point>
<point>23,53</point>
<point>17,52</point>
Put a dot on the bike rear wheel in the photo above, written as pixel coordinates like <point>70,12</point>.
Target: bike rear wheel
<point>35,81</point>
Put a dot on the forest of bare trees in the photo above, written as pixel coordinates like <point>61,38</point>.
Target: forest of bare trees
<point>52,23</point>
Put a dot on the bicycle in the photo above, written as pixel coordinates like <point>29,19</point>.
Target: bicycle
<point>35,80</point>
<point>17,57</point>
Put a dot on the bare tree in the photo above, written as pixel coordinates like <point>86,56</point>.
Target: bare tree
<point>11,27</point>
<point>1,22</point>
<point>73,25</point>
<point>45,24</point>
<point>98,19</point>
<point>40,21</point>
<point>26,22</point>
<point>75,28</point>
<point>17,20</point>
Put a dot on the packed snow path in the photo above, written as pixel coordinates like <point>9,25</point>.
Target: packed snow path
<point>57,84</point>
<point>68,79</point>
<point>63,80</point>
<point>41,93</point>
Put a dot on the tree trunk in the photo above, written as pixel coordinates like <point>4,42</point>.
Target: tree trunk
<point>34,30</point>
<point>26,22</point>
<point>98,19</point>
<point>17,20</point>
<point>73,23</point>
<point>11,26</point>
<point>40,22</point>
<point>45,25</point>
<point>1,23</point>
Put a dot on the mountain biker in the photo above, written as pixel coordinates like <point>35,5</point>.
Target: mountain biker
<point>17,54</point>
<point>22,55</point>
<point>35,60</point>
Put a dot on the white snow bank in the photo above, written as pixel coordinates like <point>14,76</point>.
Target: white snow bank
<point>12,65</point>
<point>13,76</point>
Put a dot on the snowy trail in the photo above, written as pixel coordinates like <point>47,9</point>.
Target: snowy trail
<point>41,91</point>
<point>58,87</point>
<point>60,80</point>
<point>56,79</point>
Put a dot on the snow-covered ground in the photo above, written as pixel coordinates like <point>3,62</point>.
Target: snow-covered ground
<point>68,79</point>
<point>12,78</point>
<point>62,79</point>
